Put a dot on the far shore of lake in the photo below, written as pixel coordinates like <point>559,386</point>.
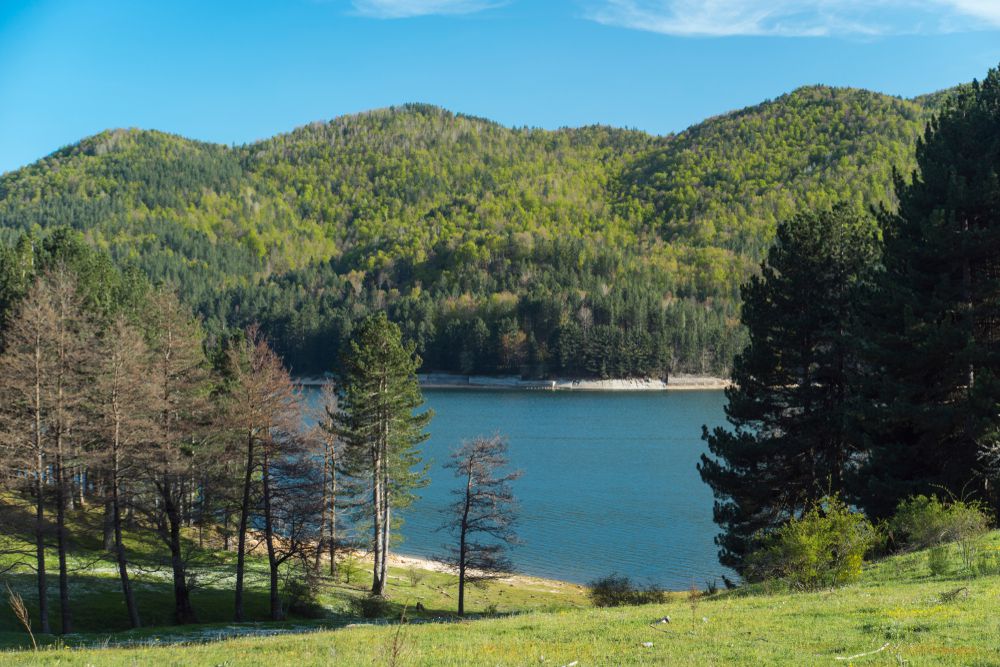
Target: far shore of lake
<point>681,382</point>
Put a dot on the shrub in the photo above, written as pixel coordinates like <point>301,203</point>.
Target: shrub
<point>415,575</point>
<point>923,522</point>
<point>300,596</point>
<point>988,564</point>
<point>938,560</point>
<point>615,591</point>
<point>824,547</point>
<point>370,606</point>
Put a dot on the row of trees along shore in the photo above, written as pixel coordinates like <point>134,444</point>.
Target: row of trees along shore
<point>873,367</point>
<point>111,395</point>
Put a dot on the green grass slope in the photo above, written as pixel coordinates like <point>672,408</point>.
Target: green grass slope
<point>897,614</point>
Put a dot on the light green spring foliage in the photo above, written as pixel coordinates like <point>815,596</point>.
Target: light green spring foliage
<point>457,225</point>
<point>927,521</point>
<point>824,547</point>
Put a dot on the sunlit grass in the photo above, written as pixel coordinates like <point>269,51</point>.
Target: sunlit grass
<point>897,614</point>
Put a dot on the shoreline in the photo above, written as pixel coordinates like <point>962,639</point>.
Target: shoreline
<point>424,563</point>
<point>680,382</point>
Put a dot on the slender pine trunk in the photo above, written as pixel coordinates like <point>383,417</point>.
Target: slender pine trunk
<point>241,538</point>
<point>272,561</point>
<point>183,609</point>
<point>463,532</point>
<point>41,580</point>
<point>62,547</point>
<point>130,606</point>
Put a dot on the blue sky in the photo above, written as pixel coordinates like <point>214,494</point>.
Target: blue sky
<point>234,72</point>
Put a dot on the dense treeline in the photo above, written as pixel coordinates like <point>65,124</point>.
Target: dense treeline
<point>874,356</point>
<point>593,252</point>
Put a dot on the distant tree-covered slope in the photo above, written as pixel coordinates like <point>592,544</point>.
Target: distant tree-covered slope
<point>591,251</point>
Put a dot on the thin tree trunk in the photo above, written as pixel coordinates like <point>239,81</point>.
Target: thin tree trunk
<point>130,606</point>
<point>241,538</point>
<point>463,531</point>
<point>183,610</point>
<point>332,543</point>
<point>322,518</point>
<point>272,561</point>
<point>65,614</point>
<point>43,593</point>
<point>108,524</point>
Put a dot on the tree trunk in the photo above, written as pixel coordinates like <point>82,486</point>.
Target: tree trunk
<point>65,614</point>
<point>463,532</point>
<point>378,586</point>
<point>183,610</point>
<point>241,539</point>
<point>43,592</point>
<point>272,561</point>
<point>130,606</point>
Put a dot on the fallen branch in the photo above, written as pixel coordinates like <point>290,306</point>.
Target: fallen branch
<point>861,655</point>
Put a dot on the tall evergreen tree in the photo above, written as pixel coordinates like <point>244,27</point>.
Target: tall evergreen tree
<point>380,429</point>
<point>789,442</point>
<point>934,321</point>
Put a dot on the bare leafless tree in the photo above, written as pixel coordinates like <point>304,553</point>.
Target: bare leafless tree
<point>181,445</point>
<point>125,423</point>
<point>45,367</point>
<point>265,411</point>
<point>483,514</point>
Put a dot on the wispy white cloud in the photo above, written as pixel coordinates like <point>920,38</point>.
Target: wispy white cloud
<point>399,9</point>
<point>798,18</point>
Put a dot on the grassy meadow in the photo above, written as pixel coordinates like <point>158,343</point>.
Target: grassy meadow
<point>899,613</point>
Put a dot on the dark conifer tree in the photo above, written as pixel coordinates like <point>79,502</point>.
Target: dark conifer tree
<point>934,320</point>
<point>788,405</point>
<point>380,429</point>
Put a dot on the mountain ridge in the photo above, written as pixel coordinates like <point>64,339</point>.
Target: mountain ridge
<point>591,251</point>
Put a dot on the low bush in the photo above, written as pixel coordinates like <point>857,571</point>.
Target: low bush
<point>370,606</point>
<point>924,522</point>
<point>300,597</point>
<point>616,591</point>
<point>988,564</point>
<point>824,547</point>
<point>938,560</point>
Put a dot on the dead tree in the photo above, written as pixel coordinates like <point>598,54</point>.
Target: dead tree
<point>483,514</point>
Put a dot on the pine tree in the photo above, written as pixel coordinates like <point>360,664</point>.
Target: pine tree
<point>789,444</point>
<point>377,423</point>
<point>933,323</point>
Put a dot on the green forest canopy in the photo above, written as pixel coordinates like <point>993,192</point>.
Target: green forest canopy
<point>593,251</point>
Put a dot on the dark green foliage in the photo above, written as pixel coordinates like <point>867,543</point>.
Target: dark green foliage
<point>592,252</point>
<point>370,606</point>
<point>789,445</point>
<point>933,327</point>
<point>616,590</point>
<point>826,546</point>
<point>377,421</point>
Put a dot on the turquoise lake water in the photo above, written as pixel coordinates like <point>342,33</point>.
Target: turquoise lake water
<point>609,481</point>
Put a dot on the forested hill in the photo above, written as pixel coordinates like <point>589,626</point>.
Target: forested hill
<point>591,251</point>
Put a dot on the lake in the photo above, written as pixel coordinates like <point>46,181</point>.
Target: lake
<point>609,483</point>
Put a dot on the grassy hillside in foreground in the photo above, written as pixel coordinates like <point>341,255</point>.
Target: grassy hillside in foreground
<point>897,607</point>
